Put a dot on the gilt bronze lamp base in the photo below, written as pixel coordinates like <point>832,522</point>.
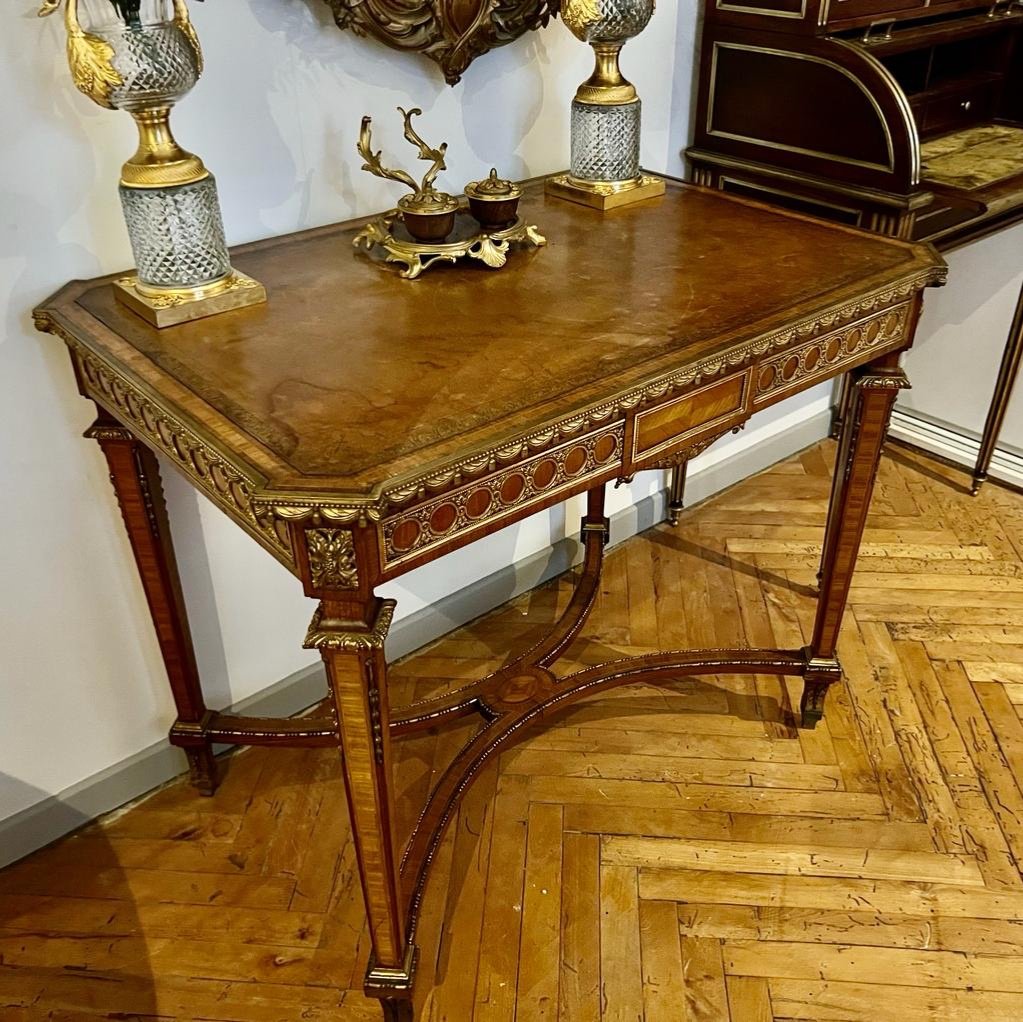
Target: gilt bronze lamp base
<point>605,195</point>
<point>143,56</point>
<point>169,307</point>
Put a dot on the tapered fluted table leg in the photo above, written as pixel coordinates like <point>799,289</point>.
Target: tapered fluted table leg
<point>397,1010</point>
<point>357,675</point>
<point>873,391</point>
<point>1012,359</point>
<point>135,475</point>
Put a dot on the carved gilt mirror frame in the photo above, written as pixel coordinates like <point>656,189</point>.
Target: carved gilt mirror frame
<point>451,32</point>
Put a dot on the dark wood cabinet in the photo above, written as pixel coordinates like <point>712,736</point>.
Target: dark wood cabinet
<point>900,116</point>
<point>895,115</point>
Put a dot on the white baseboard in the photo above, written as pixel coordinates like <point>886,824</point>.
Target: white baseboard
<point>137,775</point>
<point>943,440</point>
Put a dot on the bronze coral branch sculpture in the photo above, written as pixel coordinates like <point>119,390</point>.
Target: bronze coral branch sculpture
<point>374,165</point>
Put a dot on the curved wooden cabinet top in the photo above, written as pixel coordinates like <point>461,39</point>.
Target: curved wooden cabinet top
<point>354,395</point>
<point>451,32</point>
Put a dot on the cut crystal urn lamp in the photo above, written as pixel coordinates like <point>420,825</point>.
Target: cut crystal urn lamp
<point>606,111</point>
<point>142,56</point>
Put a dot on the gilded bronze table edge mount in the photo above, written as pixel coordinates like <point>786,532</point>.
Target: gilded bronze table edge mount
<point>243,492</point>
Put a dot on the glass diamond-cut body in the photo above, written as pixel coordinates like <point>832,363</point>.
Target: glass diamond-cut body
<point>176,233</point>
<point>605,141</point>
<point>157,65</point>
<point>617,20</point>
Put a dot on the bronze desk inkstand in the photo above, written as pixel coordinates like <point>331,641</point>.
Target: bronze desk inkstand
<point>429,226</point>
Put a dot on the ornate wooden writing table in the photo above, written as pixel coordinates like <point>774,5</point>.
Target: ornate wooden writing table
<point>360,425</point>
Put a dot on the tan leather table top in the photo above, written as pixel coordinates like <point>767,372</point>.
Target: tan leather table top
<point>351,377</point>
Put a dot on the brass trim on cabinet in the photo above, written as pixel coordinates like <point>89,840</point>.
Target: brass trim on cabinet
<point>900,98</point>
<point>763,12</point>
<point>913,201</point>
<point>770,190</point>
<point>766,143</point>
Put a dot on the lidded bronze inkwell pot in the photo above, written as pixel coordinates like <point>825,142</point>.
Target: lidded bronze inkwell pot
<point>494,202</point>
<point>428,215</point>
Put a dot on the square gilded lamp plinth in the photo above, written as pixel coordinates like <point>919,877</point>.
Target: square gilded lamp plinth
<point>605,195</point>
<point>168,308</point>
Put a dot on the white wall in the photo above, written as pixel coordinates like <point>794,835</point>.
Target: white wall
<point>965,325</point>
<point>276,118</point>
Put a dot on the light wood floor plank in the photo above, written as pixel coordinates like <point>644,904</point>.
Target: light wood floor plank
<point>823,1002</point>
<point>704,974</point>
<point>749,999</point>
<point>828,893</point>
<point>620,976</point>
<point>580,991</point>
<point>663,984</point>
<point>792,860</point>
<point>540,947</point>
<point>851,964</point>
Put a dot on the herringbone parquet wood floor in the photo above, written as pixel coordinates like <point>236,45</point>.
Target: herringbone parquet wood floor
<point>673,854</point>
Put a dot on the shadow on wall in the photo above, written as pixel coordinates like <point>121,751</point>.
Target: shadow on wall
<point>310,55</point>
<point>193,559</point>
<point>330,54</point>
<point>71,936</point>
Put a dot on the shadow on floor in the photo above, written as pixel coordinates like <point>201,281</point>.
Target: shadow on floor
<point>72,942</point>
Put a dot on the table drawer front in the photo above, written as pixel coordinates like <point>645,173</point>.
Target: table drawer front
<point>686,420</point>
<point>502,496</point>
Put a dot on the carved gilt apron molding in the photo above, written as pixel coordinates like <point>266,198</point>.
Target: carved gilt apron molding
<point>267,515</point>
<point>221,480</point>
